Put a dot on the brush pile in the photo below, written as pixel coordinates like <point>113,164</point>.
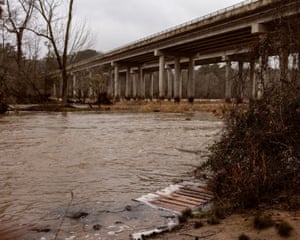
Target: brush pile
<point>258,157</point>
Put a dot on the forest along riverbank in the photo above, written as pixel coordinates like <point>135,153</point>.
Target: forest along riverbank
<point>104,160</point>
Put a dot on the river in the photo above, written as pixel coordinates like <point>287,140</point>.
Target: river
<point>93,165</point>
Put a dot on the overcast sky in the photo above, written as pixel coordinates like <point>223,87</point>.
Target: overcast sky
<point>117,22</point>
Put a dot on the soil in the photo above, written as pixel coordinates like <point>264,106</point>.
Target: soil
<point>234,226</point>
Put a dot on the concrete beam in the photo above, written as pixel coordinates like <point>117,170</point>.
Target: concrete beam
<point>258,28</point>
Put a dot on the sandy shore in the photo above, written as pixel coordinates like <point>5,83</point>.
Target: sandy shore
<point>234,226</point>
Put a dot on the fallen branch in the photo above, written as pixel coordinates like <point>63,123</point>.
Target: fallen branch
<point>64,216</point>
<point>198,237</point>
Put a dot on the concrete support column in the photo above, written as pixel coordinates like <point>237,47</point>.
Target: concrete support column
<point>239,91</point>
<point>162,76</point>
<point>283,63</point>
<point>116,81</point>
<point>60,87</point>
<point>54,92</point>
<point>253,80</point>
<point>298,71</point>
<point>170,83</point>
<point>74,86</point>
<point>152,79</point>
<point>191,80</point>
<point>263,64</point>
<point>142,78</point>
<point>177,82</point>
<point>134,84</point>
<point>228,84</point>
<point>110,87</point>
<point>91,91</point>
<point>127,84</point>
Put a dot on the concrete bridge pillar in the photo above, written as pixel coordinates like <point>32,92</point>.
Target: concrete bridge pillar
<point>74,86</point>
<point>240,82</point>
<point>191,80</point>
<point>110,84</point>
<point>142,89</point>
<point>155,85</point>
<point>54,91</point>
<point>116,81</point>
<point>283,64</point>
<point>263,65</point>
<point>152,79</point>
<point>128,84</point>
<point>60,87</point>
<point>253,80</point>
<point>177,80</point>
<point>228,84</point>
<point>134,84</point>
<point>91,91</point>
<point>162,76</point>
<point>170,83</point>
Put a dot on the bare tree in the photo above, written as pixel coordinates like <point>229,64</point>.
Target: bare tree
<point>16,22</point>
<point>59,31</point>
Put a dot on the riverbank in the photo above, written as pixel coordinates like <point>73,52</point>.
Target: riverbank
<point>217,107</point>
<point>237,226</point>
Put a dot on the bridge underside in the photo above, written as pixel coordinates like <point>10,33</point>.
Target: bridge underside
<point>165,65</point>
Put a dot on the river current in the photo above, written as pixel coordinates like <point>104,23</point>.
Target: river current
<point>73,175</point>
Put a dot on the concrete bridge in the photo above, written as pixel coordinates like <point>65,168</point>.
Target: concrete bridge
<point>163,64</point>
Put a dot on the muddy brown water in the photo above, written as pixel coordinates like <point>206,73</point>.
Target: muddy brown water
<point>92,165</point>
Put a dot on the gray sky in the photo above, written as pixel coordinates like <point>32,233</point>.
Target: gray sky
<point>118,22</point>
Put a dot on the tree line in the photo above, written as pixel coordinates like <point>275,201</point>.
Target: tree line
<point>38,36</point>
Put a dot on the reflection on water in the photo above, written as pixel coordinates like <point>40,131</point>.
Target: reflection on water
<point>104,159</point>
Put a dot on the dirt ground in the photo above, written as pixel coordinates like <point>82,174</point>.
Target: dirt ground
<point>234,226</point>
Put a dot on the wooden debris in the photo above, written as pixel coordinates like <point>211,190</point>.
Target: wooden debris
<point>183,198</point>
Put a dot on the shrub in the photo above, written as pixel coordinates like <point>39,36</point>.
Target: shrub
<point>258,155</point>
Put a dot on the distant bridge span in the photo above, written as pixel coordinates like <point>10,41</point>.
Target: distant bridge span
<point>232,34</point>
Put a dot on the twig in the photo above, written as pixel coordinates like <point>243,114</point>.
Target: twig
<point>64,216</point>
<point>199,237</point>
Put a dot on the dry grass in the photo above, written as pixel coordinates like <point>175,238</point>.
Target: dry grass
<point>218,107</point>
